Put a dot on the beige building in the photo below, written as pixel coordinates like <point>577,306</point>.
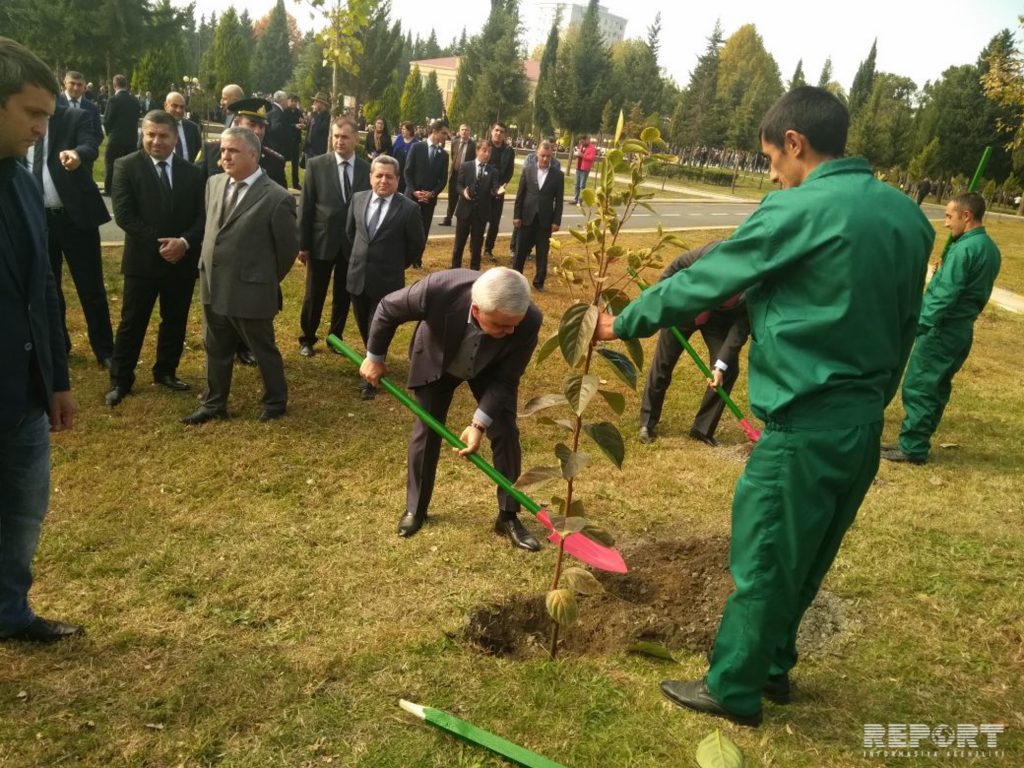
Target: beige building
<point>447,70</point>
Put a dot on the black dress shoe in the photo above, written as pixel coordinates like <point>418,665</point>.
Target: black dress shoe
<point>445,223</point>
<point>409,524</point>
<point>706,439</point>
<point>106,362</point>
<point>115,396</point>
<point>46,631</point>
<point>172,382</point>
<point>246,357</point>
<point>648,435</point>
<point>369,392</point>
<point>201,417</point>
<point>777,690</point>
<point>694,694</point>
<point>269,414</point>
<point>517,533</point>
<point>898,456</point>
<point>306,350</point>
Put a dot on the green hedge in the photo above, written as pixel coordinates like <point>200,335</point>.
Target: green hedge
<point>721,177</point>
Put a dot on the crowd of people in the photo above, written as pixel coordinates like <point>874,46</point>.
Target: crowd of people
<point>795,275</point>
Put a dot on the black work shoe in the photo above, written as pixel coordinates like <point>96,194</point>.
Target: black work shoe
<point>517,533</point>
<point>201,417</point>
<point>46,631</point>
<point>269,414</point>
<point>246,357</point>
<point>777,690</point>
<point>409,524</point>
<point>708,440</point>
<point>306,350</point>
<point>172,382</point>
<point>369,392</point>
<point>898,456</point>
<point>694,694</point>
<point>648,435</point>
<point>115,396</point>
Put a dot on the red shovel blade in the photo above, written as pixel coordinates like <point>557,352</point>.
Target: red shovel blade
<point>584,549</point>
<point>752,433</point>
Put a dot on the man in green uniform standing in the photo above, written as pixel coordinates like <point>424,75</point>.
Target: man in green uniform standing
<point>833,266</point>
<point>957,293</point>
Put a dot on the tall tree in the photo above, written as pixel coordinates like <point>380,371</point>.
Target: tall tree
<point>883,129</point>
<point>160,68</point>
<point>748,84</point>
<point>272,56</point>
<point>863,81</point>
<point>310,74</point>
<point>697,119</point>
<point>412,106</point>
<point>654,36</point>
<point>584,71</point>
<point>826,73</point>
<point>340,38</point>
<point>495,67</point>
<point>798,79</point>
<point>230,51</point>
<point>1002,77</point>
<point>544,96</point>
<point>431,50</point>
<point>382,49</point>
<point>636,76</point>
<point>433,99</point>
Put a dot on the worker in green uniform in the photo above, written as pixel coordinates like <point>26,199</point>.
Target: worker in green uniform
<point>833,267</point>
<point>957,293</point>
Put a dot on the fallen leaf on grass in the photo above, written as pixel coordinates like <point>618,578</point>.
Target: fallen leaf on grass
<point>648,648</point>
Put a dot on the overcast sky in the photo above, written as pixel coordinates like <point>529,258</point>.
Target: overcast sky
<point>915,39</point>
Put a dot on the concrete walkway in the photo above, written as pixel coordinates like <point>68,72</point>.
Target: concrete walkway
<point>1008,300</point>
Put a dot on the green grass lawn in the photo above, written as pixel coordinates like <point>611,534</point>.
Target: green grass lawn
<point>249,604</point>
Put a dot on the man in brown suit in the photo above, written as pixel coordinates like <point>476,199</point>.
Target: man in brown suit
<point>249,245</point>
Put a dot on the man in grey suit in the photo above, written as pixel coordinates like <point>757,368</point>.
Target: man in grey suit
<point>331,181</point>
<point>386,233</point>
<point>481,329</point>
<point>538,212</point>
<point>248,247</point>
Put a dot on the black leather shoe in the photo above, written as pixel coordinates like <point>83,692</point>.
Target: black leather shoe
<point>369,392</point>
<point>777,690</point>
<point>306,350</point>
<point>106,362</point>
<point>490,255</point>
<point>517,533</point>
<point>648,435</point>
<point>172,382</point>
<point>409,524</point>
<point>445,223</point>
<point>898,456</point>
<point>201,417</point>
<point>694,694</point>
<point>246,357</point>
<point>46,631</point>
<point>115,396</point>
<point>269,414</point>
<point>706,439</point>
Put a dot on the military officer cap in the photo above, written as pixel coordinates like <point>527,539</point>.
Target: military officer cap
<point>254,109</point>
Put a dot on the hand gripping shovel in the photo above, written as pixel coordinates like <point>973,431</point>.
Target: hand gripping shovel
<point>578,545</point>
<point>752,433</point>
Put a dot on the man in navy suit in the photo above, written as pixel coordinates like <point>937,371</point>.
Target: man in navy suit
<point>159,203</point>
<point>74,97</point>
<point>189,141</point>
<point>426,173</point>
<point>475,188</point>
<point>62,165</point>
<point>122,123</point>
<point>35,396</point>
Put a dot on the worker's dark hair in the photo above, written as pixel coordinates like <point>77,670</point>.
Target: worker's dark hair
<point>973,202</point>
<point>812,112</point>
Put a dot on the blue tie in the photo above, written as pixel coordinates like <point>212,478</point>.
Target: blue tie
<point>375,221</point>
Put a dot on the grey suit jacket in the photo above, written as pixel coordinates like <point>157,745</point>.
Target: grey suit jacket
<point>377,265</point>
<point>440,303</point>
<point>324,214</point>
<point>244,260</point>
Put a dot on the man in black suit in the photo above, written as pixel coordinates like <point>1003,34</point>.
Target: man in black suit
<point>475,191</point>
<point>279,128</point>
<point>35,397</point>
<point>503,161</point>
<point>62,165</point>
<point>426,172</point>
<point>318,128</point>
<point>189,140</point>
<point>229,94</point>
<point>538,212</point>
<point>481,329</point>
<point>74,97</point>
<point>387,237</point>
<point>158,202</point>
<point>331,181</point>
<point>122,123</point>
<point>463,150</point>
<point>295,118</point>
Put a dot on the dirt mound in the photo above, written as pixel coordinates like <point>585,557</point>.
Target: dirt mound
<point>672,595</point>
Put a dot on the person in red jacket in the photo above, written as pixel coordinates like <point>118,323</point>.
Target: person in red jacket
<point>586,153</point>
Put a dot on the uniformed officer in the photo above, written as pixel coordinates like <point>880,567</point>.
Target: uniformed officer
<point>957,293</point>
<point>251,114</point>
<point>833,267</point>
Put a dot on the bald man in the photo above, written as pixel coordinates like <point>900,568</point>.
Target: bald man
<point>229,94</point>
<point>189,141</point>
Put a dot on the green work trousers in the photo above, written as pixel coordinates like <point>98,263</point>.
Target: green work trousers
<point>794,502</point>
<point>938,354</point>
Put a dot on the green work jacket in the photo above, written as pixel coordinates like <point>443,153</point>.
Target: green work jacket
<point>960,288</point>
<point>833,271</point>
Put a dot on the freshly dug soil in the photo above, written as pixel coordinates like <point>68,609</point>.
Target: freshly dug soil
<point>673,595</point>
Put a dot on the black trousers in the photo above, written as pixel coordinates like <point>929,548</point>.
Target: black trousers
<point>221,336</point>
<point>425,444</point>
<point>471,229</point>
<point>531,235</point>
<point>427,217</point>
<point>666,355</point>
<point>318,279</point>
<point>80,248</point>
<point>497,207</point>
<point>363,306</point>
<point>174,292</point>
<point>453,196</point>
<point>112,152</point>
<point>295,154</point>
